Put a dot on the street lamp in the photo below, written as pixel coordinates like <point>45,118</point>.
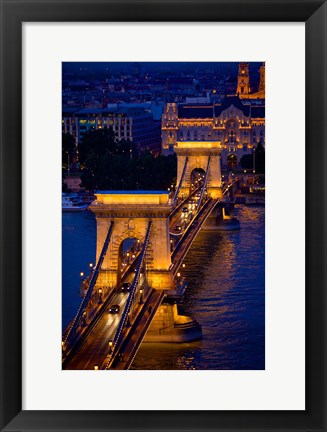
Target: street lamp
<point>110,347</point>
<point>91,265</point>
<point>100,295</point>
<point>141,299</point>
<point>84,317</point>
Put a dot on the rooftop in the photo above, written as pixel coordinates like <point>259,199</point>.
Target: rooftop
<point>129,192</point>
<point>124,197</point>
<point>202,111</point>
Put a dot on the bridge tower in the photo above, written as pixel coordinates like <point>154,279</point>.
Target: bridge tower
<point>193,155</point>
<point>130,212</point>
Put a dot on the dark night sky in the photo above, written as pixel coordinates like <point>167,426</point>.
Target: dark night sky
<point>85,69</point>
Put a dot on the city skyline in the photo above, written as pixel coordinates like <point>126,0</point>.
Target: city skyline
<point>164,163</point>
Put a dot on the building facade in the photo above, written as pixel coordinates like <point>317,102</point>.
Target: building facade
<point>238,123</point>
<point>237,126</point>
<point>128,123</point>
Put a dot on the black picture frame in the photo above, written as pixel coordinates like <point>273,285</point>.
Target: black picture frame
<point>13,14</point>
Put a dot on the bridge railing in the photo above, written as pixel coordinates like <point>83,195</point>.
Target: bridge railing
<point>181,181</point>
<point>131,296</point>
<point>92,282</point>
<point>204,184</point>
<point>227,186</point>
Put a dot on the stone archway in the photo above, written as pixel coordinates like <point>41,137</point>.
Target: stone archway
<point>131,213</point>
<point>196,178</point>
<point>196,155</point>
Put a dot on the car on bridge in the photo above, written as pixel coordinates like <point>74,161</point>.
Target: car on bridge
<point>184,209</point>
<point>126,287</point>
<point>114,309</point>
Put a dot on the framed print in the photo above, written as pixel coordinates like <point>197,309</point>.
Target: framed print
<point>155,116</point>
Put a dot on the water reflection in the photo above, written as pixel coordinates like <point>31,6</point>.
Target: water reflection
<point>225,272</point>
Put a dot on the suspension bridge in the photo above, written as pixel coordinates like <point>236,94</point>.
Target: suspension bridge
<point>131,293</point>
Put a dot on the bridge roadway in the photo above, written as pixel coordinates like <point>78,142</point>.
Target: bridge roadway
<point>95,347</point>
<point>189,234</point>
<point>83,331</point>
<point>133,339</point>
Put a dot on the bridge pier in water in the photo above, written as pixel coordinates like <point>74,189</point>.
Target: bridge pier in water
<point>220,219</point>
<point>169,326</point>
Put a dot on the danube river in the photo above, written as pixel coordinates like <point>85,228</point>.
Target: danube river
<point>226,293</point>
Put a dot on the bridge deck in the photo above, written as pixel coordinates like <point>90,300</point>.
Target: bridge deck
<point>95,347</point>
<point>189,235</point>
<point>129,348</point>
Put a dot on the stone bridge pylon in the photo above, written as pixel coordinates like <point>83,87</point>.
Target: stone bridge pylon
<point>131,212</point>
<point>203,155</point>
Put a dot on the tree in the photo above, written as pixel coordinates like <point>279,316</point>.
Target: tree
<point>68,149</point>
<point>246,161</point>
<point>260,159</point>
<point>108,164</point>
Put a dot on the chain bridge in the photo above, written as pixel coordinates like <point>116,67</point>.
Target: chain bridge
<point>143,237</point>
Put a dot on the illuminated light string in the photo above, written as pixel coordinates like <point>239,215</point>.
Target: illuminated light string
<point>130,298</point>
<point>181,180</point>
<point>204,183</point>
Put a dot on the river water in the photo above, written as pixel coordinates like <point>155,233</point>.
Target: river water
<point>226,294</point>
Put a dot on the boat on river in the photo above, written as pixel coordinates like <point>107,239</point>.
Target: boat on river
<point>72,202</point>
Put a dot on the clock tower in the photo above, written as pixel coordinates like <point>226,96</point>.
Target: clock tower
<point>243,79</point>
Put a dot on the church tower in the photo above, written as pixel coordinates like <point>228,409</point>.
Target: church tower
<point>243,79</point>
<point>262,85</point>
